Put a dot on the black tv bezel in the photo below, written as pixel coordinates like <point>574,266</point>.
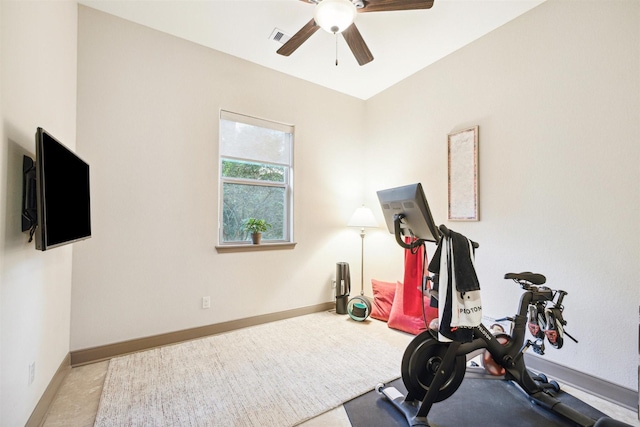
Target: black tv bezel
<point>34,181</point>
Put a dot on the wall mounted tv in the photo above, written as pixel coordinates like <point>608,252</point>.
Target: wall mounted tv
<point>56,201</point>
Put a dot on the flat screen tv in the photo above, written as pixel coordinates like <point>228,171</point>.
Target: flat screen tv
<point>60,181</point>
<point>409,201</point>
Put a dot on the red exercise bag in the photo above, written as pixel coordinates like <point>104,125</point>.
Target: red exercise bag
<point>413,262</point>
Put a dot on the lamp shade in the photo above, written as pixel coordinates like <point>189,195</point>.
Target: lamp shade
<point>335,16</point>
<point>363,217</point>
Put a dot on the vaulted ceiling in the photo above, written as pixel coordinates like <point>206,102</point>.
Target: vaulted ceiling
<point>402,42</point>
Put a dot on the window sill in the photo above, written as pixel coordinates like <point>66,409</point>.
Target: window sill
<point>248,247</point>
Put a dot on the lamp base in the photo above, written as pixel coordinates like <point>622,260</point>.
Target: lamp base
<point>359,308</point>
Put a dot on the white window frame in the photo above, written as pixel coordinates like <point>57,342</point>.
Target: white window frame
<point>287,184</point>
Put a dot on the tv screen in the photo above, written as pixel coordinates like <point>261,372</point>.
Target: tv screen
<point>62,194</point>
<point>410,201</point>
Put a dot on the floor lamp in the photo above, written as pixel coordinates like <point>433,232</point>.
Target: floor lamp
<point>359,308</point>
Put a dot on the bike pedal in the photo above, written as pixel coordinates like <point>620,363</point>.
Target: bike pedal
<point>538,348</point>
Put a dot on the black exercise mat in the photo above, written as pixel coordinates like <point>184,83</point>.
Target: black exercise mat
<point>478,403</point>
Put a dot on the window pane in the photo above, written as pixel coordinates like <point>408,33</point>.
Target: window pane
<point>243,201</point>
<point>254,143</point>
<point>250,170</point>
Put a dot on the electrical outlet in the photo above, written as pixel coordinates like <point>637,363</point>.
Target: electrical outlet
<point>206,302</point>
<point>32,372</point>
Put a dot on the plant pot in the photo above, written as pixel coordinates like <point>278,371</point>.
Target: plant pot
<point>256,237</point>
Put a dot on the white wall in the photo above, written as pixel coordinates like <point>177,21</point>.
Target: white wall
<point>553,93</point>
<point>38,87</point>
<point>556,94</point>
<point>2,206</point>
<point>148,107</point>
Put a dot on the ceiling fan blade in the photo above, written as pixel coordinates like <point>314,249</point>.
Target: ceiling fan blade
<point>357,45</point>
<point>389,5</point>
<point>298,38</point>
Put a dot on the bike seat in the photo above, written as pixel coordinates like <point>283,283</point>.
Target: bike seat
<point>527,276</point>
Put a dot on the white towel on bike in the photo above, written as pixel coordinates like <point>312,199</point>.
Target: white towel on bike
<point>466,307</point>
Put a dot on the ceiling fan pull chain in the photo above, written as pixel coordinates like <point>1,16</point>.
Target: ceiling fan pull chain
<point>336,34</point>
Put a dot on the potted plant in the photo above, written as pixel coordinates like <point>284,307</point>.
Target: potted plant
<point>256,227</point>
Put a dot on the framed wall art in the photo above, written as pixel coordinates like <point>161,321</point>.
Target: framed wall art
<point>462,149</point>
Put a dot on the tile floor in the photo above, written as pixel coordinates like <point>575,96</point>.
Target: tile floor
<point>76,402</point>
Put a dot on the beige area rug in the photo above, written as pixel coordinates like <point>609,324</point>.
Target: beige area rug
<point>277,374</point>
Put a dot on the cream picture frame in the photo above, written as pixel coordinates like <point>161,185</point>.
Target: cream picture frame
<point>462,149</point>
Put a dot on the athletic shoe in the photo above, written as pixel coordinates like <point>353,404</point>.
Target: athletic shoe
<point>554,330</point>
<point>533,323</point>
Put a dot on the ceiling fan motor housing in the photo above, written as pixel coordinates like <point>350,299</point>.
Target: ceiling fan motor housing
<point>335,16</point>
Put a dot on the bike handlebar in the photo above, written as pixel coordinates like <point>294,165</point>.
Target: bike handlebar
<point>561,297</point>
<point>397,228</point>
<point>444,230</point>
<point>397,221</point>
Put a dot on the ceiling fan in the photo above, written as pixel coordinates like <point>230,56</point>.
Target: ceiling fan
<point>337,16</point>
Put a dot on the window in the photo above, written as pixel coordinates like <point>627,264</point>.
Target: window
<point>255,177</point>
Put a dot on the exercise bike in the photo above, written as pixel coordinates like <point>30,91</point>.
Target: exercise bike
<point>432,370</point>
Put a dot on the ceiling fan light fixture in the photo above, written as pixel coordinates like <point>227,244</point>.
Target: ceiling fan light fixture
<point>335,16</point>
